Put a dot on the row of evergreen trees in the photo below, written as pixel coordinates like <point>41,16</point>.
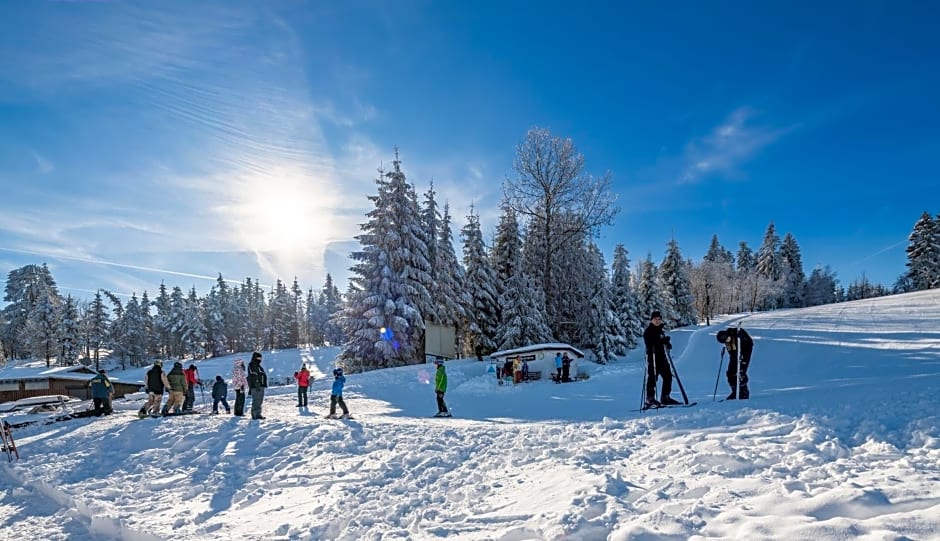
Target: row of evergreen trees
<point>38,322</point>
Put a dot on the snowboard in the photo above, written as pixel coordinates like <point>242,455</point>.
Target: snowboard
<point>182,413</point>
<point>443,414</point>
<point>339,417</point>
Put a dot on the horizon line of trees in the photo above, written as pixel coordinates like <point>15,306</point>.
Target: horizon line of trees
<point>541,279</point>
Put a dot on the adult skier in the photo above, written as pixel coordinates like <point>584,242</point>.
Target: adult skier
<point>440,387</point>
<point>177,380</point>
<point>657,364</point>
<point>156,385</point>
<point>257,383</point>
<point>192,380</point>
<point>740,345</point>
<point>240,384</point>
<point>101,393</point>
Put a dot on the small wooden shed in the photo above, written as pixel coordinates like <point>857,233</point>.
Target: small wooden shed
<point>541,357</point>
<point>23,382</point>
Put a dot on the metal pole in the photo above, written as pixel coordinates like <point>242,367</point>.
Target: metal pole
<point>679,381</point>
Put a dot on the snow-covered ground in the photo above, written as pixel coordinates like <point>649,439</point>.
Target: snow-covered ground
<point>840,440</point>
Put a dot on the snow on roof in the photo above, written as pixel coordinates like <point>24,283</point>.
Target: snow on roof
<point>538,347</point>
<point>75,372</point>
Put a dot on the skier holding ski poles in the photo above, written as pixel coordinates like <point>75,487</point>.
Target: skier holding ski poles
<point>657,363</point>
<point>739,345</point>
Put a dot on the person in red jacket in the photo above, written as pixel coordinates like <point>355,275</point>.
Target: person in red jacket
<point>192,379</point>
<point>303,380</point>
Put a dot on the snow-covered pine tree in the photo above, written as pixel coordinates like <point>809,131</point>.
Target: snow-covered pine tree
<point>794,279</point>
<point>297,314</point>
<point>162,321</point>
<point>389,280</point>
<point>330,302</point>
<point>216,341</point>
<point>68,335</point>
<point>481,288</point>
<point>603,332</point>
<point>280,317</point>
<point>23,289</point>
<point>177,322</point>
<point>133,346</point>
<point>41,325</point>
<point>649,295</point>
<point>147,327</point>
<point>451,296</point>
<point>98,323</point>
<point>769,269</point>
<point>679,304</point>
<point>923,253</point>
<point>523,310</point>
<point>624,299</point>
<point>192,326</point>
<point>747,279</point>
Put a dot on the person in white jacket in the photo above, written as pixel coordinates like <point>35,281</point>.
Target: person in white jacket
<point>240,384</point>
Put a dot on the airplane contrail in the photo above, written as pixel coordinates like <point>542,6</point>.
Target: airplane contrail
<point>879,252</point>
<point>120,265</point>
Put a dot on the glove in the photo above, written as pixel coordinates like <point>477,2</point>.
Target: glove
<point>668,342</point>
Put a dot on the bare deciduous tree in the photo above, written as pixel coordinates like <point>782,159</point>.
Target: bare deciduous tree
<point>551,189</point>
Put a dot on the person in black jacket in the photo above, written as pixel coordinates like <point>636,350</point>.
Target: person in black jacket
<point>657,364</point>
<point>740,345</point>
<point>257,382</point>
<point>156,384</point>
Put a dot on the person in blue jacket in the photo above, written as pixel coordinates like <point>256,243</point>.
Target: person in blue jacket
<point>336,393</point>
<point>101,393</point>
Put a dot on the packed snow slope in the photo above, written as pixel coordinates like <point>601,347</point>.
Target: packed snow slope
<point>839,441</point>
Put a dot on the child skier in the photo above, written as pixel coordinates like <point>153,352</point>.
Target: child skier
<point>336,395</point>
<point>440,387</point>
<point>303,380</point>
<point>220,394</point>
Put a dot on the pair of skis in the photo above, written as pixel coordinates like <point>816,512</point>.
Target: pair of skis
<point>685,398</point>
<point>9,447</point>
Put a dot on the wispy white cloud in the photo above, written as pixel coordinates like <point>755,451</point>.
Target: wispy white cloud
<point>43,166</point>
<point>730,145</point>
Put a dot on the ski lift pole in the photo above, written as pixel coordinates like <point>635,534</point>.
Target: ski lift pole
<point>679,381</point>
<point>721,363</point>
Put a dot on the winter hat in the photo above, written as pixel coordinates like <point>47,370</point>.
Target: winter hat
<point>656,314</point>
<point>192,367</point>
<point>439,363</point>
<point>256,356</point>
<point>177,364</point>
<point>218,377</point>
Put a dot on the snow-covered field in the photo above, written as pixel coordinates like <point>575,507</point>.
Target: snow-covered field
<point>839,441</point>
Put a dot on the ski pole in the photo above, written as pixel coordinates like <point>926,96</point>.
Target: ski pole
<point>679,381</point>
<point>721,363</point>
<point>643,390</point>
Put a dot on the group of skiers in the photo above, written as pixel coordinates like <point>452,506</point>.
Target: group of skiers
<point>735,340</point>
<point>181,385</point>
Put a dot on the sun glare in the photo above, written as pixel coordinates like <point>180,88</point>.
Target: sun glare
<point>284,218</point>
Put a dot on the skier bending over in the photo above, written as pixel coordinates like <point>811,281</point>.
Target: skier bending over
<point>739,345</point>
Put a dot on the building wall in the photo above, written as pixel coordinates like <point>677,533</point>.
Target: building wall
<point>45,386</point>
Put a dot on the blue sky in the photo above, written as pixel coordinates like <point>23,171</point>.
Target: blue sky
<point>170,141</point>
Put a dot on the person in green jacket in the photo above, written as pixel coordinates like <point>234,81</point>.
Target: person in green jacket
<point>440,387</point>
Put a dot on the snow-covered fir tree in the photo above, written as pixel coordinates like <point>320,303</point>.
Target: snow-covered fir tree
<point>603,332</point>
<point>715,289</point>
<point>68,335</point>
<point>177,321</point>
<point>747,278</point>
<point>625,300</point>
<point>192,327</point>
<point>679,304</point>
<point>390,279</point>
<point>450,295</point>
<point>523,314</point>
<point>133,345</point>
<point>280,317</point>
<point>216,340</point>
<point>481,288</point>
<point>97,328</point>
<point>24,287</point>
<point>147,327</point>
<point>41,325</point>
<point>162,321</point>
<point>923,253</point>
<point>649,295</point>
<point>794,279</point>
